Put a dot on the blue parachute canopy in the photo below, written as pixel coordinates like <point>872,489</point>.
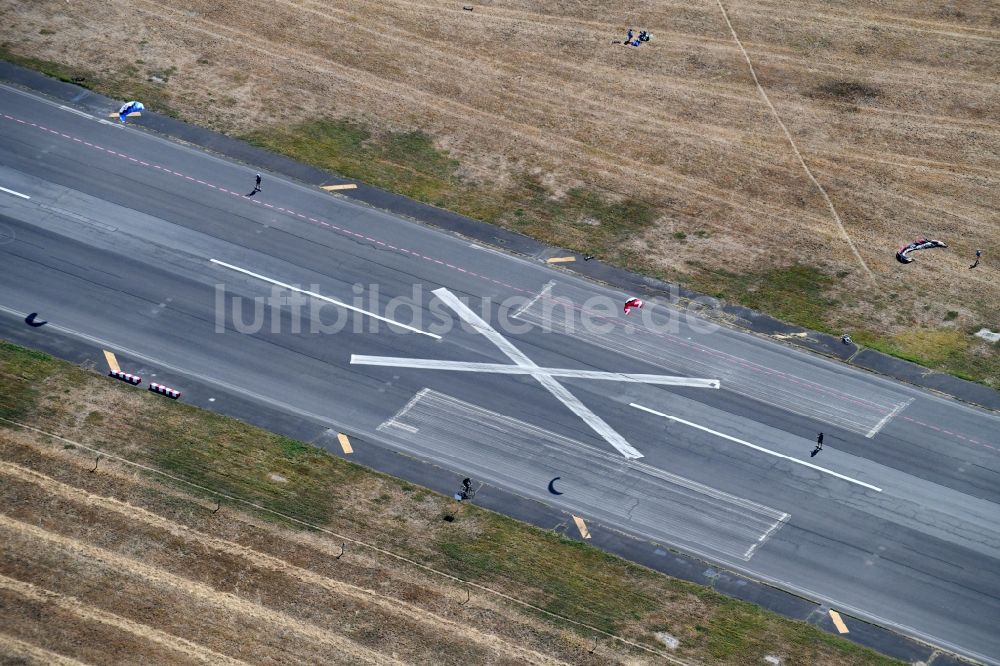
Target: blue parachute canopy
<point>130,107</point>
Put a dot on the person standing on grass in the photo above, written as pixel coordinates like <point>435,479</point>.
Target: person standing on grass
<point>979,254</point>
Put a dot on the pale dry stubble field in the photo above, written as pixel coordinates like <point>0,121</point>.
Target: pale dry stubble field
<point>893,107</point>
<point>106,568</point>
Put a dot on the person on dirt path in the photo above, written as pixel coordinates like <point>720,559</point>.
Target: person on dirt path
<point>979,254</point>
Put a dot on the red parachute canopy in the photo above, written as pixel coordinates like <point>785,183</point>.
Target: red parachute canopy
<point>632,303</point>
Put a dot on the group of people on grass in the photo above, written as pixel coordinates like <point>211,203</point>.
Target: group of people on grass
<point>632,40</point>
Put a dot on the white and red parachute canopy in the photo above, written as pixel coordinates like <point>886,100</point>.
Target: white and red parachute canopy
<point>632,303</point>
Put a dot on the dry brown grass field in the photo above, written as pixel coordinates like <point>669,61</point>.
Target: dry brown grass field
<point>105,568</point>
<point>893,107</point>
<point>122,560</point>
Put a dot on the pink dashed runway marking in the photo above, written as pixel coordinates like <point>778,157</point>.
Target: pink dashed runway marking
<point>948,432</point>
<point>252,202</point>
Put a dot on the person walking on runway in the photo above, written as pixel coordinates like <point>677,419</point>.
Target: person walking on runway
<point>256,187</point>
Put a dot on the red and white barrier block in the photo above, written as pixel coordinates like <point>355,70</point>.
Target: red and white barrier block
<point>134,380</point>
<point>164,390</point>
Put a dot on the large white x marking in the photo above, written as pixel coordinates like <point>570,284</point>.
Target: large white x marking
<point>545,376</point>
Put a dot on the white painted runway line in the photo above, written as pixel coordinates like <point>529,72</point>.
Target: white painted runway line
<point>500,253</point>
<point>888,417</point>
<point>596,423</point>
<point>16,194</point>
<point>594,481</point>
<point>776,454</point>
<point>504,369</point>
<point>321,297</point>
<point>77,112</point>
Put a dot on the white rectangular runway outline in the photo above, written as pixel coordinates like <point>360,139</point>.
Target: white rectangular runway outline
<point>888,417</point>
<point>622,494</point>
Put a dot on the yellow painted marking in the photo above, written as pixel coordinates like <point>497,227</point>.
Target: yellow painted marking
<point>344,442</point>
<point>112,361</point>
<point>345,186</point>
<point>134,113</point>
<point>837,622</point>
<point>582,526</point>
<point>560,260</point>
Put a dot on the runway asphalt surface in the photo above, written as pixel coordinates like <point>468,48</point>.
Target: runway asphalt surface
<point>150,249</point>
